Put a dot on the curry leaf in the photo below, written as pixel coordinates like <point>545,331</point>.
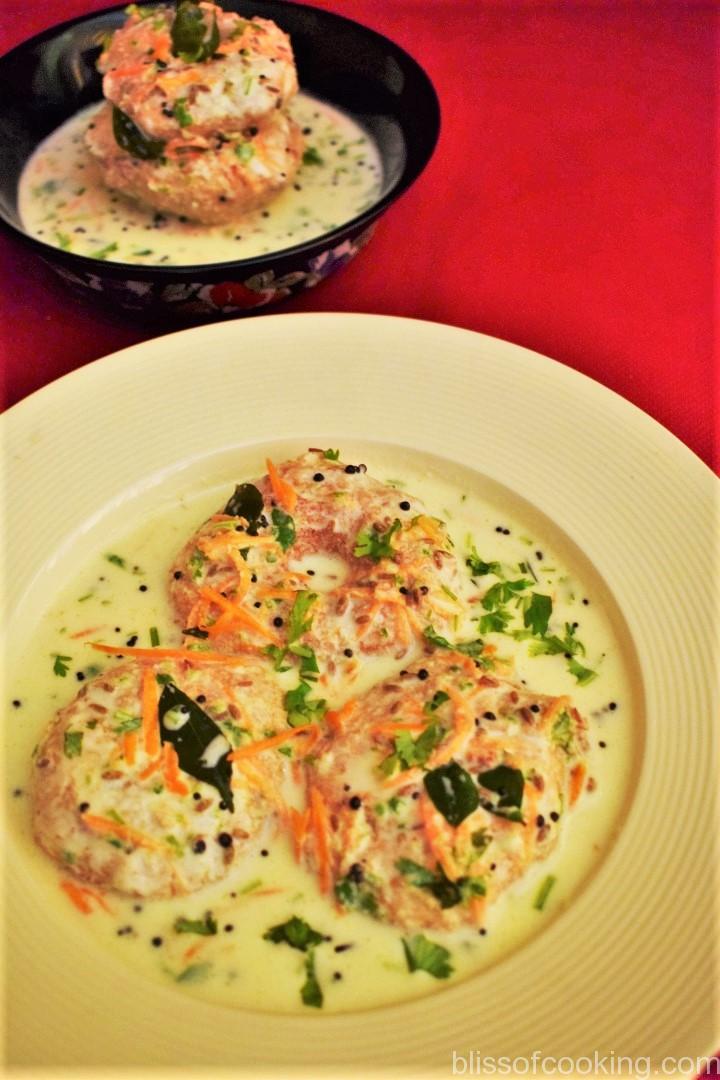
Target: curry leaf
<point>191,739</point>
<point>452,791</point>
<point>130,138</point>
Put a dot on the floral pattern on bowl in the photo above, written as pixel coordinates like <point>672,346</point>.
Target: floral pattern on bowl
<point>222,297</point>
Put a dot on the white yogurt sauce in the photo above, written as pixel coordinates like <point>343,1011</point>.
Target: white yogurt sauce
<point>120,603</point>
<point>64,202</point>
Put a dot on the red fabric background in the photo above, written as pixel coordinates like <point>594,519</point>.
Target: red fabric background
<point>569,206</point>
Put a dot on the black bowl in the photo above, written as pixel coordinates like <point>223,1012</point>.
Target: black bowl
<point>47,79</point>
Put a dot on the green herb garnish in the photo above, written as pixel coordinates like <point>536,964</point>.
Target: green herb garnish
<point>181,114</point>
<point>61,665</point>
<point>537,614</point>
<point>192,40</point>
<point>472,649</point>
<point>244,151</point>
<point>543,892</point>
<point>376,545</point>
<point>422,954</point>
<point>352,895</point>
<point>72,743</point>
<point>310,991</point>
<point>116,560</point>
<point>332,455</point>
<point>126,722</point>
<point>283,528</point>
<point>311,157</point>
<point>206,927</point>
<point>296,933</point>
<point>301,710</point>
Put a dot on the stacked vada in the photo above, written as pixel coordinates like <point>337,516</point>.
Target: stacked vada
<point>196,119</point>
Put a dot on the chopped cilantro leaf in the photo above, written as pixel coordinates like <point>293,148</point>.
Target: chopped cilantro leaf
<point>375,545</point>
<point>537,614</point>
<point>126,722</point>
<point>72,743</point>
<point>582,674</point>
<point>301,710</point>
<point>196,563</point>
<point>206,927</point>
<point>473,649</point>
<point>422,954</point>
<point>438,699</point>
<point>563,732</point>
<point>310,991</point>
<point>332,455</point>
<point>502,592</point>
<point>60,665</point>
<point>116,560</point>
<point>181,114</point>
<point>410,752</point>
<point>283,528</point>
<point>478,567</point>
<point>298,622</point>
<point>311,156</point>
<point>245,151</point>
<point>350,894</point>
<point>296,933</point>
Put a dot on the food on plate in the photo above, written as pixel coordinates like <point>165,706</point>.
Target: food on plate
<point>322,542</point>
<point>133,788</point>
<point>205,178</point>
<point>438,789</point>
<point>348,747</point>
<point>197,70</point>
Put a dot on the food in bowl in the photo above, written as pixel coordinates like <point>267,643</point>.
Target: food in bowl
<point>433,809</point>
<point>195,147</point>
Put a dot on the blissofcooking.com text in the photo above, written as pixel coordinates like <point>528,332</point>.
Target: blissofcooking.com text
<point>475,1063</point>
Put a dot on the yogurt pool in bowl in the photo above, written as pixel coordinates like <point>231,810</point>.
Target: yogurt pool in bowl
<point>201,213</point>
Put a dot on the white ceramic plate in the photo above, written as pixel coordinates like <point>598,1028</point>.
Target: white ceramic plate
<point>628,967</point>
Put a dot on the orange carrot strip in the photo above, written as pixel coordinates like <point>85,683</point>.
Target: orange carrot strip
<point>129,747</point>
<point>77,896</point>
<point>285,494</point>
<point>80,895</point>
<point>319,820</point>
<point>128,71</point>
<point>151,768</point>
<point>299,821</point>
<point>477,908</point>
<point>150,723</point>
<point>123,832</point>
<point>276,593</point>
<point>84,633</point>
<point>240,614</point>
<point>437,837</point>
<point>577,780</point>
<point>556,708</point>
<point>275,740</point>
<point>171,771</point>
<point>191,655</point>
<point>464,725</point>
<point>337,717</point>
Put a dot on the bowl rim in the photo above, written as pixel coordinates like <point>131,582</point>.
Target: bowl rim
<point>269,260</point>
